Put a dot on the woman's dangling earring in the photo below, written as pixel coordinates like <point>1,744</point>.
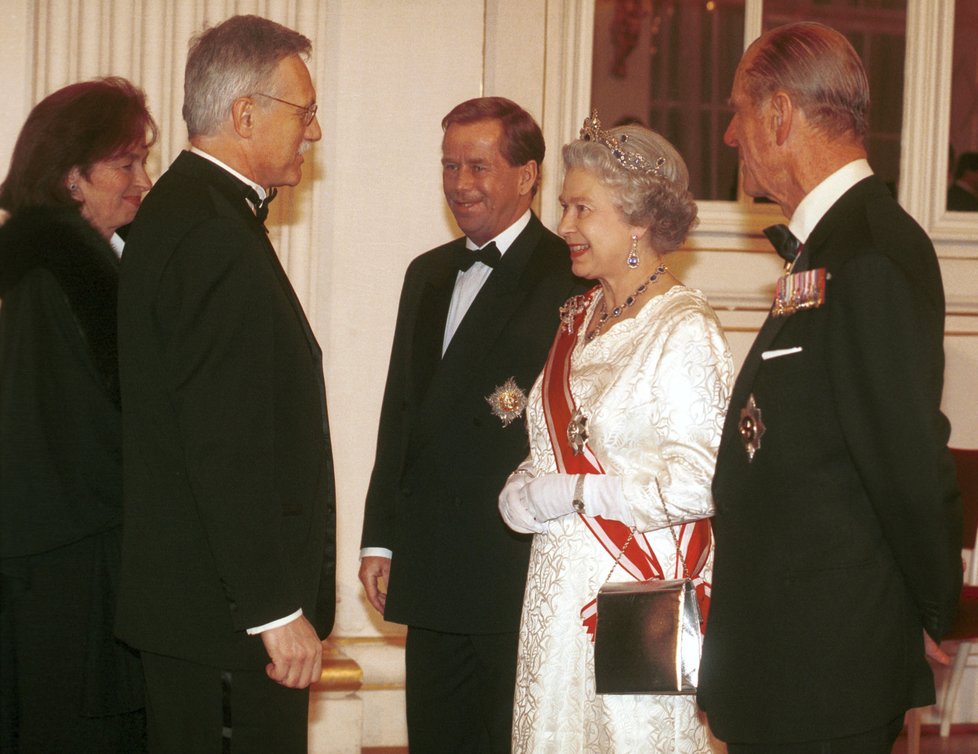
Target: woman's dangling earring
<point>632,259</point>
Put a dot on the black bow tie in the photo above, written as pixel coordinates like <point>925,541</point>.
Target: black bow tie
<point>784,242</point>
<point>260,205</point>
<point>489,255</point>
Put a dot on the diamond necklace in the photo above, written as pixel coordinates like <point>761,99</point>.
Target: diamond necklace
<point>617,311</point>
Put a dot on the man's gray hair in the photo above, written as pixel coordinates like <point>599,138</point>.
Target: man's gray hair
<point>819,69</point>
<point>234,59</point>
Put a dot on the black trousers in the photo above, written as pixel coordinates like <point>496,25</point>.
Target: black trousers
<point>460,691</point>
<point>876,741</point>
<point>197,709</point>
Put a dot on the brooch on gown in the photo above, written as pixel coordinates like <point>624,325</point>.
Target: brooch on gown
<point>570,310</point>
<point>507,401</point>
<point>751,427</point>
<point>577,431</point>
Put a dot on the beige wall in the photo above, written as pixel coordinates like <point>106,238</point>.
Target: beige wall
<point>371,200</point>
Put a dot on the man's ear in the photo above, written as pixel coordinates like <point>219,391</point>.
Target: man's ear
<point>528,177</point>
<point>782,109</point>
<point>242,116</point>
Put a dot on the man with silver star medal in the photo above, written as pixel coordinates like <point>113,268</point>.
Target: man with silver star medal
<point>472,327</point>
<point>838,545</point>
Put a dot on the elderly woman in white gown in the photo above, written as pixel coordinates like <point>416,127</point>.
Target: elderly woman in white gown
<point>624,426</point>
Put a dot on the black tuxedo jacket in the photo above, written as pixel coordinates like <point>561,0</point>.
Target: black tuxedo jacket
<point>228,478</point>
<point>840,542</point>
<point>442,456</point>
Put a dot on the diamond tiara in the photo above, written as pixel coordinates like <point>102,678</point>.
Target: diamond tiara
<point>592,131</point>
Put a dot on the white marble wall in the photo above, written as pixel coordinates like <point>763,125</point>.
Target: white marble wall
<point>386,72</point>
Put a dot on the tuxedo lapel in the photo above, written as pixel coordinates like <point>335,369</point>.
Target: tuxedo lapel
<point>314,349</point>
<point>429,330</point>
<point>201,169</point>
<point>283,280</point>
<point>768,332</point>
<point>489,313</point>
<point>477,334</point>
<point>822,253</point>
<point>812,257</point>
<point>234,191</point>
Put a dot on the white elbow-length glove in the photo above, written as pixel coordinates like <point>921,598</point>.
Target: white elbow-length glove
<point>513,506</point>
<point>551,496</point>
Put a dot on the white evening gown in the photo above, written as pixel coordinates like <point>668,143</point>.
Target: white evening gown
<point>655,389</point>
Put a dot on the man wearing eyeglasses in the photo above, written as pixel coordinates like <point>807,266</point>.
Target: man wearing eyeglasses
<point>229,542</point>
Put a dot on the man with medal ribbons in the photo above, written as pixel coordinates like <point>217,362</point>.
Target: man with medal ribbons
<point>838,519</point>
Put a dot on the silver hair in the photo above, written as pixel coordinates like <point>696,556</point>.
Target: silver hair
<point>819,69</point>
<point>659,201</point>
<point>234,59</point>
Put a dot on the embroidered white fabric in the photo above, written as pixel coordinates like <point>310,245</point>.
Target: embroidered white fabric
<point>655,389</point>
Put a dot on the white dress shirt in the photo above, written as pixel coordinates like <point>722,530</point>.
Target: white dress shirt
<point>820,199</point>
<point>117,244</point>
<point>258,189</point>
<point>469,282</point>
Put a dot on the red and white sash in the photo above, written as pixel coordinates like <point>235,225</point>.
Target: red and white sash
<point>638,558</point>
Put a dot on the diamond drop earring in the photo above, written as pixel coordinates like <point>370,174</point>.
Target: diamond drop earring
<point>632,259</point>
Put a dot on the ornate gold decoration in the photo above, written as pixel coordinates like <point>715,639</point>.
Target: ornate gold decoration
<point>507,401</point>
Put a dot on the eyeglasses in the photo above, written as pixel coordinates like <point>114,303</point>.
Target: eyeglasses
<point>308,113</point>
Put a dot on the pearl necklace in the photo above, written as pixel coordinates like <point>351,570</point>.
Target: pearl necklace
<point>617,311</point>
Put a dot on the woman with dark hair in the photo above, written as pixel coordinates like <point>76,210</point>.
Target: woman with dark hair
<point>77,175</point>
<point>624,425</point>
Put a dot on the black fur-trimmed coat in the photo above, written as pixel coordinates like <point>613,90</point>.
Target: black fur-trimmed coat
<point>60,424</point>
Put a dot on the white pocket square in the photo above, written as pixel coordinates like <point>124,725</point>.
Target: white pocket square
<point>780,352</point>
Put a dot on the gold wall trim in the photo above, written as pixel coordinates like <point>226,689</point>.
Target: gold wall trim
<point>340,673</point>
<point>392,640</point>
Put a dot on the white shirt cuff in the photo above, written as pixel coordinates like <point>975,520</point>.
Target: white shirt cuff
<point>375,552</point>
<point>274,623</point>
